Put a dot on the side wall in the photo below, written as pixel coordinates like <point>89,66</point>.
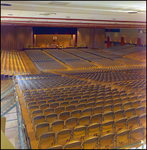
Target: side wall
<point>130,36</point>
<point>16,38</point>
<point>91,37</point>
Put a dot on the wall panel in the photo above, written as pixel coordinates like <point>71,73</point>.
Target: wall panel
<point>16,38</point>
<point>91,37</point>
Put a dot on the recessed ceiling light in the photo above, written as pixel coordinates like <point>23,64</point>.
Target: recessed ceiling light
<point>10,14</point>
<point>6,5</point>
<point>58,3</point>
<point>47,14</point>
<point>67,16</point>
<point>132,12</point>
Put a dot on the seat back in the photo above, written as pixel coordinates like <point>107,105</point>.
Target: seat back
<point>90,143</point>
<point>137,134</point>
<point>31,103</point>
<point>91,99</point>
<point>57,125</point>
<point>90,105</point>
<point>74,102</point>
<point>108,116</point>
<point>64,115</point>
<point>125,100</point>
<point>107,141</point>
<point>64,103</point>
<point>133,122</point>
<point>73,145</point>
<point>127,105</point>
<point>44,106</point>
<point>56,147</point>
<point>120,124</point>
<point>108,127</point>
<point>136,103</point>
<point>107,108</point>
<point>87,111</point>
<point>51,117</point>
<point>36,113</point>
<point>71,123</point>
<point>83,101</point>
<point>41,102</point>
<point>119,114</point>
<point>76,113</point>
<point>108,102</point>
<point>38,119</point>
<point>143,103</point>
<point>142,120</point>
<point>84,120</point>
<point>32,108</point>
<point>94,129</point>
<point>60,100</point>
<point>70,108</point>
<point>97,109</point>
<point>63,136</point>
<point>99,103</point>
<point>117,107</point>
<point>97,118</point>
<point>122,138</point>
<point>140,110</point>
<point>46,140</point>
<point>54,105</point>
<point>41,128</point>
<point>79,133</point>
<point>59,109</point>
<point>130,112</point>
<point>133,98</point>
<point>48,111</point>
<point>81,107</point>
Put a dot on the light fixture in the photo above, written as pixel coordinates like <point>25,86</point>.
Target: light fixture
<point>6,5</point>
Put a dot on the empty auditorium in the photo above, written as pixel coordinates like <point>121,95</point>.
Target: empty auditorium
<point>73,74</point>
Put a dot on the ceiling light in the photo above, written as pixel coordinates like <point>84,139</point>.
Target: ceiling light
<point>67,16</point>
<point>47,14</point>
<point>132,12</point>
<point>6,5</point>
<point>58,3</point>
<point>10,14</point>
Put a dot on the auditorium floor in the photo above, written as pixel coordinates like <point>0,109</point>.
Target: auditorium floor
<point>28,62</point>
<point>31,132</point>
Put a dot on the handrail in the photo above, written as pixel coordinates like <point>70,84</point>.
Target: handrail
<point>7,105</point>
<point>8,96</point>
<point>12,85</point>
<point>2,96</point>
<point>133,144</point>
<point>6,85</point>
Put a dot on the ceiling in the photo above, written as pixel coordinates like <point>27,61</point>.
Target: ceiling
<point>108,14</point>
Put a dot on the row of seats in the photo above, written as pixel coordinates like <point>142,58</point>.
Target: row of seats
<point>69,59</point>
<point>94,58</point>
<point>118,48</point>
<point>124,49</point>
<point>141,56</point>
<point>12,63</point>
<point>71,130</point>
<point>108,141</point>
<point>95,114</point>
<point>43,61</point>
<point>128,61</point>
<point>49,65</point>
<point>50,82</point>
<point>61,55</point>
<point>36,76</point>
